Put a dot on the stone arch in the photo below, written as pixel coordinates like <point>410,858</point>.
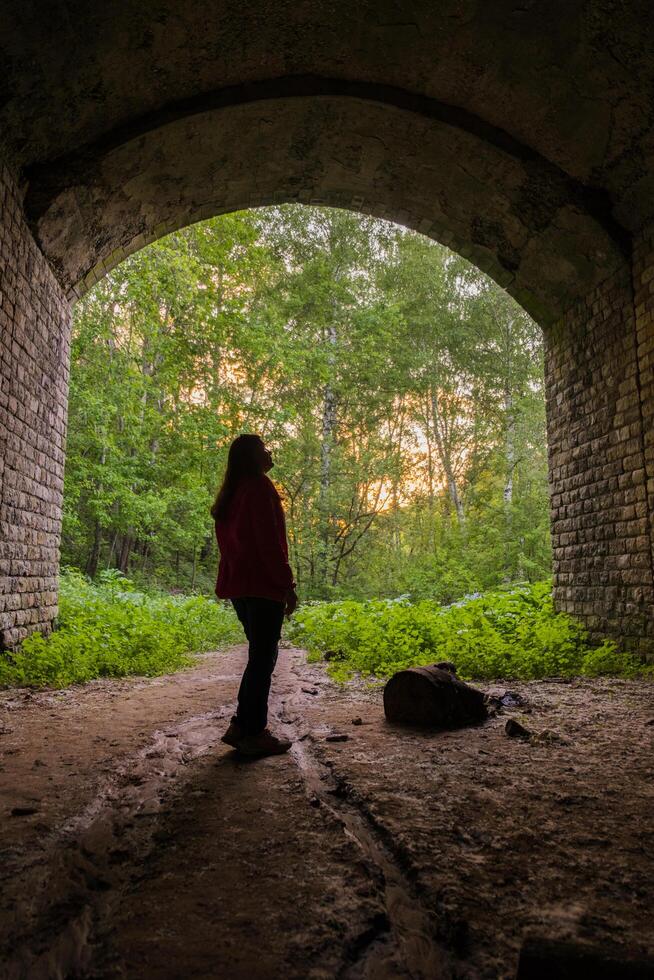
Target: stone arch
<point>540,234</point>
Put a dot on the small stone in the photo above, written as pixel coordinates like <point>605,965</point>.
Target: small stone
<point>514,729</point>
<point>498,700</point>
<point>357,721</point>
<point>511,699</point>
<point>548,737</point>
<point>310,690</point>
<point>337,737</point>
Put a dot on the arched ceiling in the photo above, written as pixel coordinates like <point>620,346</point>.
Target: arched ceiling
<point>521,133</point>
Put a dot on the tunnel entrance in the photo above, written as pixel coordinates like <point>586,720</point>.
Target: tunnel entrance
<point>400,390</point>
<point>470,127</point>
<point>520,136</point>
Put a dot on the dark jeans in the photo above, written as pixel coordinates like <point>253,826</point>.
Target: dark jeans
<point>262,621</point>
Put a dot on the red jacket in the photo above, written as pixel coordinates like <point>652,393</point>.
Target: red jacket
<point>252,542</point>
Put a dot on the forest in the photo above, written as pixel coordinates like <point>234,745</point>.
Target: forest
<point>401,393</point>
<point>399,388</point>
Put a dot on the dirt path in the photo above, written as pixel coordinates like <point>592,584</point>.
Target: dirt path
<point>135,844</point>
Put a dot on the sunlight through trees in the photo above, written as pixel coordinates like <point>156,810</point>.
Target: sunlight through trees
<point>399,388</point>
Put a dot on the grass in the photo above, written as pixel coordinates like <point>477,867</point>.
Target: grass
<point>512,633</point>
<point>111,629</point>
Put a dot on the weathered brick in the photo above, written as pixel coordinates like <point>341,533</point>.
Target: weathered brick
<point>34,350</point>
<point>599,381</point>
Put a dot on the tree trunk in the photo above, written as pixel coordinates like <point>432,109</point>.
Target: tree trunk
<point>329,409</point>
<point>94,556</point>
<point>431,532</point>
<point>395,515</point>
<point>112,549</point>
<point>509,447</point>
<point>445,460</point>
<point>125,551</point>
<point>509,440</point>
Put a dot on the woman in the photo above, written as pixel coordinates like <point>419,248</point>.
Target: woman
<point>255,574</point>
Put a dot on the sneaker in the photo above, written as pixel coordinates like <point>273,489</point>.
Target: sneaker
<point>233,735</point>
<point>263,744</point>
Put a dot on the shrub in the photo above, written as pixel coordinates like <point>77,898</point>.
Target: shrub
<point>110,629</point>
<point>503,634</point>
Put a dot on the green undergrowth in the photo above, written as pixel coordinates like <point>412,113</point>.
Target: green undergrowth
<point>502,634</point>
<point>111,629</point>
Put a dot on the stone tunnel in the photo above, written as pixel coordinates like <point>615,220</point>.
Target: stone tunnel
<point>521,135</point>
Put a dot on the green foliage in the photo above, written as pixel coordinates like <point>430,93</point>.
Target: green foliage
<point>502,634</point>
<point>111,629</point>
<point>606,660</point>
<point>399,388</point>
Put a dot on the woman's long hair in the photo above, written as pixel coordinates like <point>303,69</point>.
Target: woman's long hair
<point>241,461</point>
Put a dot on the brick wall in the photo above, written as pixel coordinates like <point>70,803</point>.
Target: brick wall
<point>34,357</point>
<point>598,445</point>
<point>643,275</point>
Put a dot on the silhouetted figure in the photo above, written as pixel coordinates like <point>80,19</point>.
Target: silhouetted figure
<point>255,574</point>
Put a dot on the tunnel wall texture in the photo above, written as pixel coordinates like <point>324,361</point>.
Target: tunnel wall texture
<point>643,272</point>
<point>600,403</point>
<point>34,365</point>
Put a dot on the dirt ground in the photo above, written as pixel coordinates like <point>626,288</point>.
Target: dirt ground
<point>135,844</point>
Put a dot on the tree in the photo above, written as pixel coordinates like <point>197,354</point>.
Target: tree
<point>399,388</point>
